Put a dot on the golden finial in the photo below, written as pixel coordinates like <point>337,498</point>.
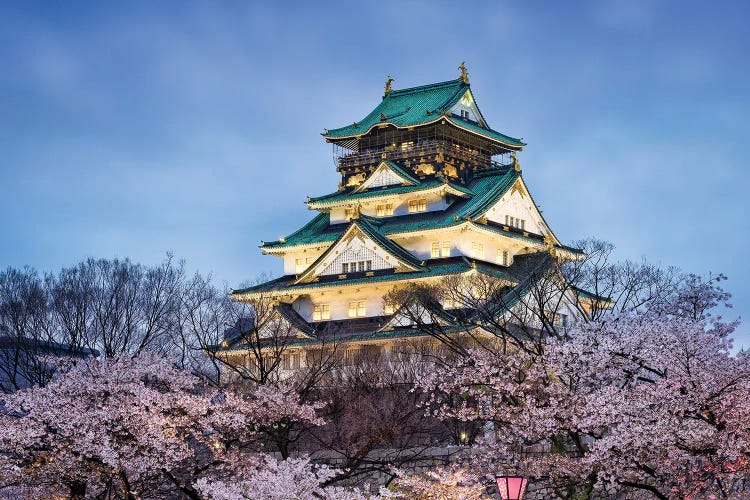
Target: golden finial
<point>516,164</point>
<point>464,73</point>
<point>388,83</point>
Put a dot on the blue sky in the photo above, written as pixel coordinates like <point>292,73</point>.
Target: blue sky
<point>133,129</point>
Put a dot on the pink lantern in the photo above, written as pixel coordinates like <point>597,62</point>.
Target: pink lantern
<point>511,488</point>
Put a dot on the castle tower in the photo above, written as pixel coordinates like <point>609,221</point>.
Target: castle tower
<point>428,189</point>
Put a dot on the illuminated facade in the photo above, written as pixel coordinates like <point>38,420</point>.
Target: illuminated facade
<point>427,190</point>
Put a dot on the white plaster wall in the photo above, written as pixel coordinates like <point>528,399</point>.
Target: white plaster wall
<point>400,206</point>
<point>339,302</point>
<point>290,258</point>
<point>517,204</point>
<point>461,244</point>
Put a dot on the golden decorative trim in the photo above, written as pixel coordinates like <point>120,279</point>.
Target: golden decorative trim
<point>388,88</point>
<point>464,73</point>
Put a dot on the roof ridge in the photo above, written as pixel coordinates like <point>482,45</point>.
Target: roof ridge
<point>420,88</point>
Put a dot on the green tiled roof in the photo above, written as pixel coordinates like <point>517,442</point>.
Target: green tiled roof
<point>580,292</point>
<point>487,187</point>
<point>419,106</point>
<point>523,273</point>
<point>318,230</point>
<point>286,283</point>
<point>352,195</point>
<point>371,227</point>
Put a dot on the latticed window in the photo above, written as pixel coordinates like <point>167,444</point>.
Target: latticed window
<point>477,250</point>
<point>359,266</point>
<point>446,251</point>
<point>515,222</point>
<point>419,205</point>
<point>357,309</point>
<point>299,265</point>
<point>439,249</point>
<point>450,303</point>
<point>384,210</point>
<point>503,257</point>
<point>321,312</point>
<point>389,308</point>
<point>557,319</point>
<point>290,361</point>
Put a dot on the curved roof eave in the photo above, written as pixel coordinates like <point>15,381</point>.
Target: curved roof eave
<point>517,146</point>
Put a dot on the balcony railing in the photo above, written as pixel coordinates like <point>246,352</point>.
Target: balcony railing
<point>410,150</point>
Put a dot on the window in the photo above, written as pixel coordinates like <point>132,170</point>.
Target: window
<point>384,210</point>
<point>290,361</point>
<point>357,309</point>
<point>557,319</point>
<point>302,264</point>
<point>503,257</point>
<point>358,266</point>
<point>439,249</point>
<point>446,249</point>
<point>348,213</point>
<point>464,114</point>
<point>389,308</point>
<point>515,222</point>
<point>321,312</point>
<point>419,205</point>
<point>477,250</point>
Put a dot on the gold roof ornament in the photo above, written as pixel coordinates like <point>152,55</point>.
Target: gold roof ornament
<point>356,211</point>
<point>516,163</point>
<point>549,241</point>
<point>388,88</point>
<point>464,73</point>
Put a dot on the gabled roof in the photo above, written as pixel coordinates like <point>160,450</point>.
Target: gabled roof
<point>352,195</point>
<point>486,187</point>
<point>421,106</point>
<point>405,176</point>
<point>483,187</point>
<point>289,285</point>
<point>369,228</point>
<point>292,317</point>
<point>522,275</point>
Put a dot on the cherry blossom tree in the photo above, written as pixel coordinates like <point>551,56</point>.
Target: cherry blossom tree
<point>269,479</point>
<point>442,483</point>
<point>130,425</point>
<point>652,400</point>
